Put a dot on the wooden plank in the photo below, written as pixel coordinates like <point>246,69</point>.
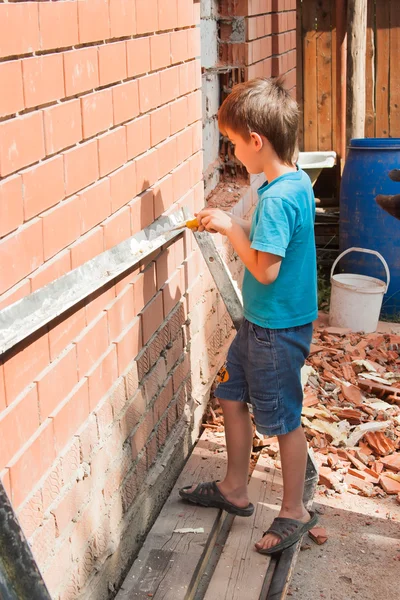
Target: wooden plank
<point>356,43</point>
<point>241,569</point>
<point>370,72</point>
<point>333,74</point>
<point>299,70</point>
<point>382,68</point>
<point>310,75</point>
<point>324,75</point>
<point>394,73</point>
<point>168,562</point>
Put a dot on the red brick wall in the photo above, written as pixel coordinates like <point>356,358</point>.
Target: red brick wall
<point>100,133</point>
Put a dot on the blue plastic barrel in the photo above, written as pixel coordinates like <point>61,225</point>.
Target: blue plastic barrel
<point>365,224</point>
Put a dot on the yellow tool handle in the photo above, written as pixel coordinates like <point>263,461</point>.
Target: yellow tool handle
<point>192,223</point>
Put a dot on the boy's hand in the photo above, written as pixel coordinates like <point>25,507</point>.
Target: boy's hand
<point>214,220</point>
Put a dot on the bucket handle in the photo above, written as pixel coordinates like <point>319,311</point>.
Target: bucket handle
<point>367,252</point>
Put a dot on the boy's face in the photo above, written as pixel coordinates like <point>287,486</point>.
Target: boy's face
<point>248,151</point>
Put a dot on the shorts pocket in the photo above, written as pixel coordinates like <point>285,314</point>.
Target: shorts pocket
<point>262,335</point>
<point>265,403</point>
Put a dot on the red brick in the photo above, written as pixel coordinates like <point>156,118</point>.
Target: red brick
<point>146,170</point>
<point>91,344</point>
<point>43,541</point>
<point>43,78</point>
<point>112,150</point>
<point>197,136</point>
<point>94,204</point>
<point>122,18</point>
<point>138,136</point>
<point>152,317</point>
<point>67,508</point>
<point>81,167</point>
<point>81,71</point>
<point>181,179</point>
<point>159,124</point>
<point>65,329</point>
<point>169,85</point>
<point>149,92</point>
<point>87,247</point>
<point>30,514</point>
<point>172,291</point>
<point>196,168</point>
<point>146,16</point>
<point>58,22</point>
<point>31,463</point>
<point>112,63</point>
<point>57,381</point>
<point>144,287</point>
<point>123,186</point>
<point>3,403</point>
<point>167,156</point>
<point>52,270</point>
<point>102,376</point>
<point>184,144</point>
<point>12,96</point>
<point>89,438</point>
<point>21,17</point>
<point>160,51</point>
<point>179,46</point>
<point>21,253</point>
<point>62,125</point>
<point>167,14</point>
<point>97,112</point>
<point>138,56</point>
<point>128,344</point>
<point>141,434</point>
<point>71,459</point>
<point>11,205</point>
<point>61,226</point>
<point>117,228</point>
<point>163,195</point>
<point>70,415</point>
<point>15,153</point>
<point>121,313</point>
<point>185,13</point>
<point>5,479</point>
<point>96,302</point>
<point>194,106</point>
<point>43,186</point>
<point>17,424</point>
<point>165,264</point>
<point>194,42</point>
<point>93,20</point>
<point>125,101</point>
<point>52,485</point>
<point>142,211</point>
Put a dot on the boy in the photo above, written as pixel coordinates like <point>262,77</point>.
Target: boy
<point>280,302</point>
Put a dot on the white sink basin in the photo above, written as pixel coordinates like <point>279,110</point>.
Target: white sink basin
<point>313,162</point>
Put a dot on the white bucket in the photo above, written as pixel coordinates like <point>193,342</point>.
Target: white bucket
<point>356,300</point>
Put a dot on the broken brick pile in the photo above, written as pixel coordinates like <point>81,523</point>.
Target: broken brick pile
<point>351,412</point>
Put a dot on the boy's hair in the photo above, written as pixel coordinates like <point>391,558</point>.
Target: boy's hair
<point>264,106</point>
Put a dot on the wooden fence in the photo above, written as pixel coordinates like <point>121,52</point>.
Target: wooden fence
<point>316,75</point>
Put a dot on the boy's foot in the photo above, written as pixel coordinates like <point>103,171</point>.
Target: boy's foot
<point>285,531</point>
<point>211,495</point>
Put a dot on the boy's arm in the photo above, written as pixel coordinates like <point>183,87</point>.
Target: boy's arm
<point>262,265</point>
<point>245,225</point>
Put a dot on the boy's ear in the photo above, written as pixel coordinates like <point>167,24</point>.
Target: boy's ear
<point>257,141</point>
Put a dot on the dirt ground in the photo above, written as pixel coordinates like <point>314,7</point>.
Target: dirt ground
<point>360,560</point>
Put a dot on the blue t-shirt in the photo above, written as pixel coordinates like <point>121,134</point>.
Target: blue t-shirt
<point>283,224</point>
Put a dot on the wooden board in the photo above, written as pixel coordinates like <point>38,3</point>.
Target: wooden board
<point>168,561</point>
<point>394,73</point>
<point>324,76</point>
<point>382,68</point>
<point>241,569</point>
<point>310,77</point>
<point>370,72</point>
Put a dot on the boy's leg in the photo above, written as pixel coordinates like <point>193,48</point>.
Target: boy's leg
<point>239,437</point>
<point>293,453</point>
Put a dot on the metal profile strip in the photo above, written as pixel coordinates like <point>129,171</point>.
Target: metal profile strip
<point>31,313</point>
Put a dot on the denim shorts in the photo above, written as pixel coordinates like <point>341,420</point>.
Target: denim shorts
<point>263,369</point>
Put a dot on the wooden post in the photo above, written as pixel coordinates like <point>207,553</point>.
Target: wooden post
<point>341,78</point>
<point>356,72</point>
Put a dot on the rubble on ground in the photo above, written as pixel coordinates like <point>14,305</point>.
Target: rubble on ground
<point>351,412</point>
